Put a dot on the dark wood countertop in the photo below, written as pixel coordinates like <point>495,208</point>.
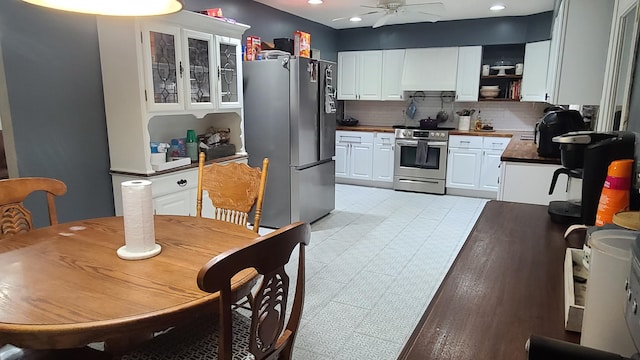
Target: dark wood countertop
<point>181,168</point>
<point>525,151</point>
<point>505,285</point>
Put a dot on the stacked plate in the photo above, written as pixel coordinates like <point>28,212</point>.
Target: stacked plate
<point>489,91</point>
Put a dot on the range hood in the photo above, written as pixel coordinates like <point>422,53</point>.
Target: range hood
<point>431,69</point>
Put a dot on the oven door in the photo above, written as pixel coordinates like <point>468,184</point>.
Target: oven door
<point>408,163</point>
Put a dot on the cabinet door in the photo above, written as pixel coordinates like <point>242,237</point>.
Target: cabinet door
<point>490,173</point>
<point>199,78</point>
<point>432,69</point>
<point>370,75</point>
<point>229,72</point>
<point>383,157</point>
<point>392,64</point>
<point>555,54</point>
<point>347,75</point>
<point>361,161</point>
<point>529,183</point>
<point>164,68</point>
<point>179,203</point>
<point>342,160</point>
<point>534,76</point>
<point>463,168</point>
<point>468,76</point>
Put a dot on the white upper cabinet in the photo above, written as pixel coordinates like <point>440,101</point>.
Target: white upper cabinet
<point>163,67</point>
<point>468,77</point>
<point>534,76</point>
<point>229,72</point>
<point>360,75</point>
<point>578,51</point>
<point>392,65</point>
<point>432,69</point>
<point>190,70</point>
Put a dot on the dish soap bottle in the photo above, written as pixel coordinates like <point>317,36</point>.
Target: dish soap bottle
<point>192,145</point>
<point>478,122</point>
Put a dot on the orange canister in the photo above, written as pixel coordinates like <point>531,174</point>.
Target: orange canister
<point>615,191</point>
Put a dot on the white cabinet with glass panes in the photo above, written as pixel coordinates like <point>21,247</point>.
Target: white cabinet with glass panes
<point>164,75</point>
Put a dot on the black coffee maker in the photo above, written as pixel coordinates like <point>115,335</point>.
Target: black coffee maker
<point>556,121</point>
<point>586,155</point>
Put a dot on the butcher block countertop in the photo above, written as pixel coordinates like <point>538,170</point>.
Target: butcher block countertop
<point>505,285</point>
<point>525,151</point>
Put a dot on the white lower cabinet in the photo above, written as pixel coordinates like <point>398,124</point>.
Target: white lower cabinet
<point>178,203</point>
<point>361,161</point>
<point>473,165</point>
<point>463,170</point>
<point>383,158</point>
<point>529,183</point>
<point>490,172</point>
<point>364,158</point>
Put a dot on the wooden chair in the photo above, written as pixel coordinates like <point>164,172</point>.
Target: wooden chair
<point>14,217</point>
<point>264,335</point>
<point>234,189</point>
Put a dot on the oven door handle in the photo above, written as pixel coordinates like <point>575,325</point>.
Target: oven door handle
<point>415,143</point>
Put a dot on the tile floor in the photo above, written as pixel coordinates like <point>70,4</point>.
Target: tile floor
<point>373,265</point>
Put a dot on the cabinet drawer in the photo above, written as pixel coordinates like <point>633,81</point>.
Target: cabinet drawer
<point>384,138</point>
<point>357,137</point>
<point>167,184</point>
<point>495,143</point>
<point>465,142</point>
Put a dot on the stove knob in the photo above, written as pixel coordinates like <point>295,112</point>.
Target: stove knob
<point>407,133</point>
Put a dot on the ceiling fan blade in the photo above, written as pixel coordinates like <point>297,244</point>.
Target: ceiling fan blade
<point>427,16</point>
<point>433,6</point>
<point>349,17</point>
<point>383,20</point>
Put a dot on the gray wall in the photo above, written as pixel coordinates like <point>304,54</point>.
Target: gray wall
<point>52,70</point>
<point>486,31</point>
<point>269,23</point>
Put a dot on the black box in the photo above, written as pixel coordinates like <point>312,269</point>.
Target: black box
<point>284,44</point>
<point>219,151</point>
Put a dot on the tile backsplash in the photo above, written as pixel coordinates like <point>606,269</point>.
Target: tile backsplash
<point>517,116</point>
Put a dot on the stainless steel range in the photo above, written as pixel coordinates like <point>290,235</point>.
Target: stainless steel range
<point>420,160</point>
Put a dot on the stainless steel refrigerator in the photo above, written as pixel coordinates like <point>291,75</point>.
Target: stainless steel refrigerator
<point>289,117</point>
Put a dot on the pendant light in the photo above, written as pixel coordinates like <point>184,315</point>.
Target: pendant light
<point>113,7</point>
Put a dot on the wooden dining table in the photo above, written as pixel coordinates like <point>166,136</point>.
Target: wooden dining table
<point>64,286</point>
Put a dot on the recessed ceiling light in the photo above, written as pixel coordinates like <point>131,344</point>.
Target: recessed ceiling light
<point>315,2</point>
<point>355,19</point>
<point>497,7</point>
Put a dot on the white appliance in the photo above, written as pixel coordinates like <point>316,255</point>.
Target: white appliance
<point>603,322</point>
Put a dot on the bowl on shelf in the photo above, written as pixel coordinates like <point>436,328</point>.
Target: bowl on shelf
<point>490,87</point>
<point>489,93</point>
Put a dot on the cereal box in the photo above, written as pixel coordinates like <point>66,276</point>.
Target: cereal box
<point>253,48</point>
<point>302,44</point>
<point>215,12</point>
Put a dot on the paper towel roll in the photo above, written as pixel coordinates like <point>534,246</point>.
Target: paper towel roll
<point>137,208</point>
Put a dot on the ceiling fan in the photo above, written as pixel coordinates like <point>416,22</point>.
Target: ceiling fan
<point>395,10</point>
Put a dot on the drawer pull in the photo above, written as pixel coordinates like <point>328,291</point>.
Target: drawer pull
<point>182,182</point>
